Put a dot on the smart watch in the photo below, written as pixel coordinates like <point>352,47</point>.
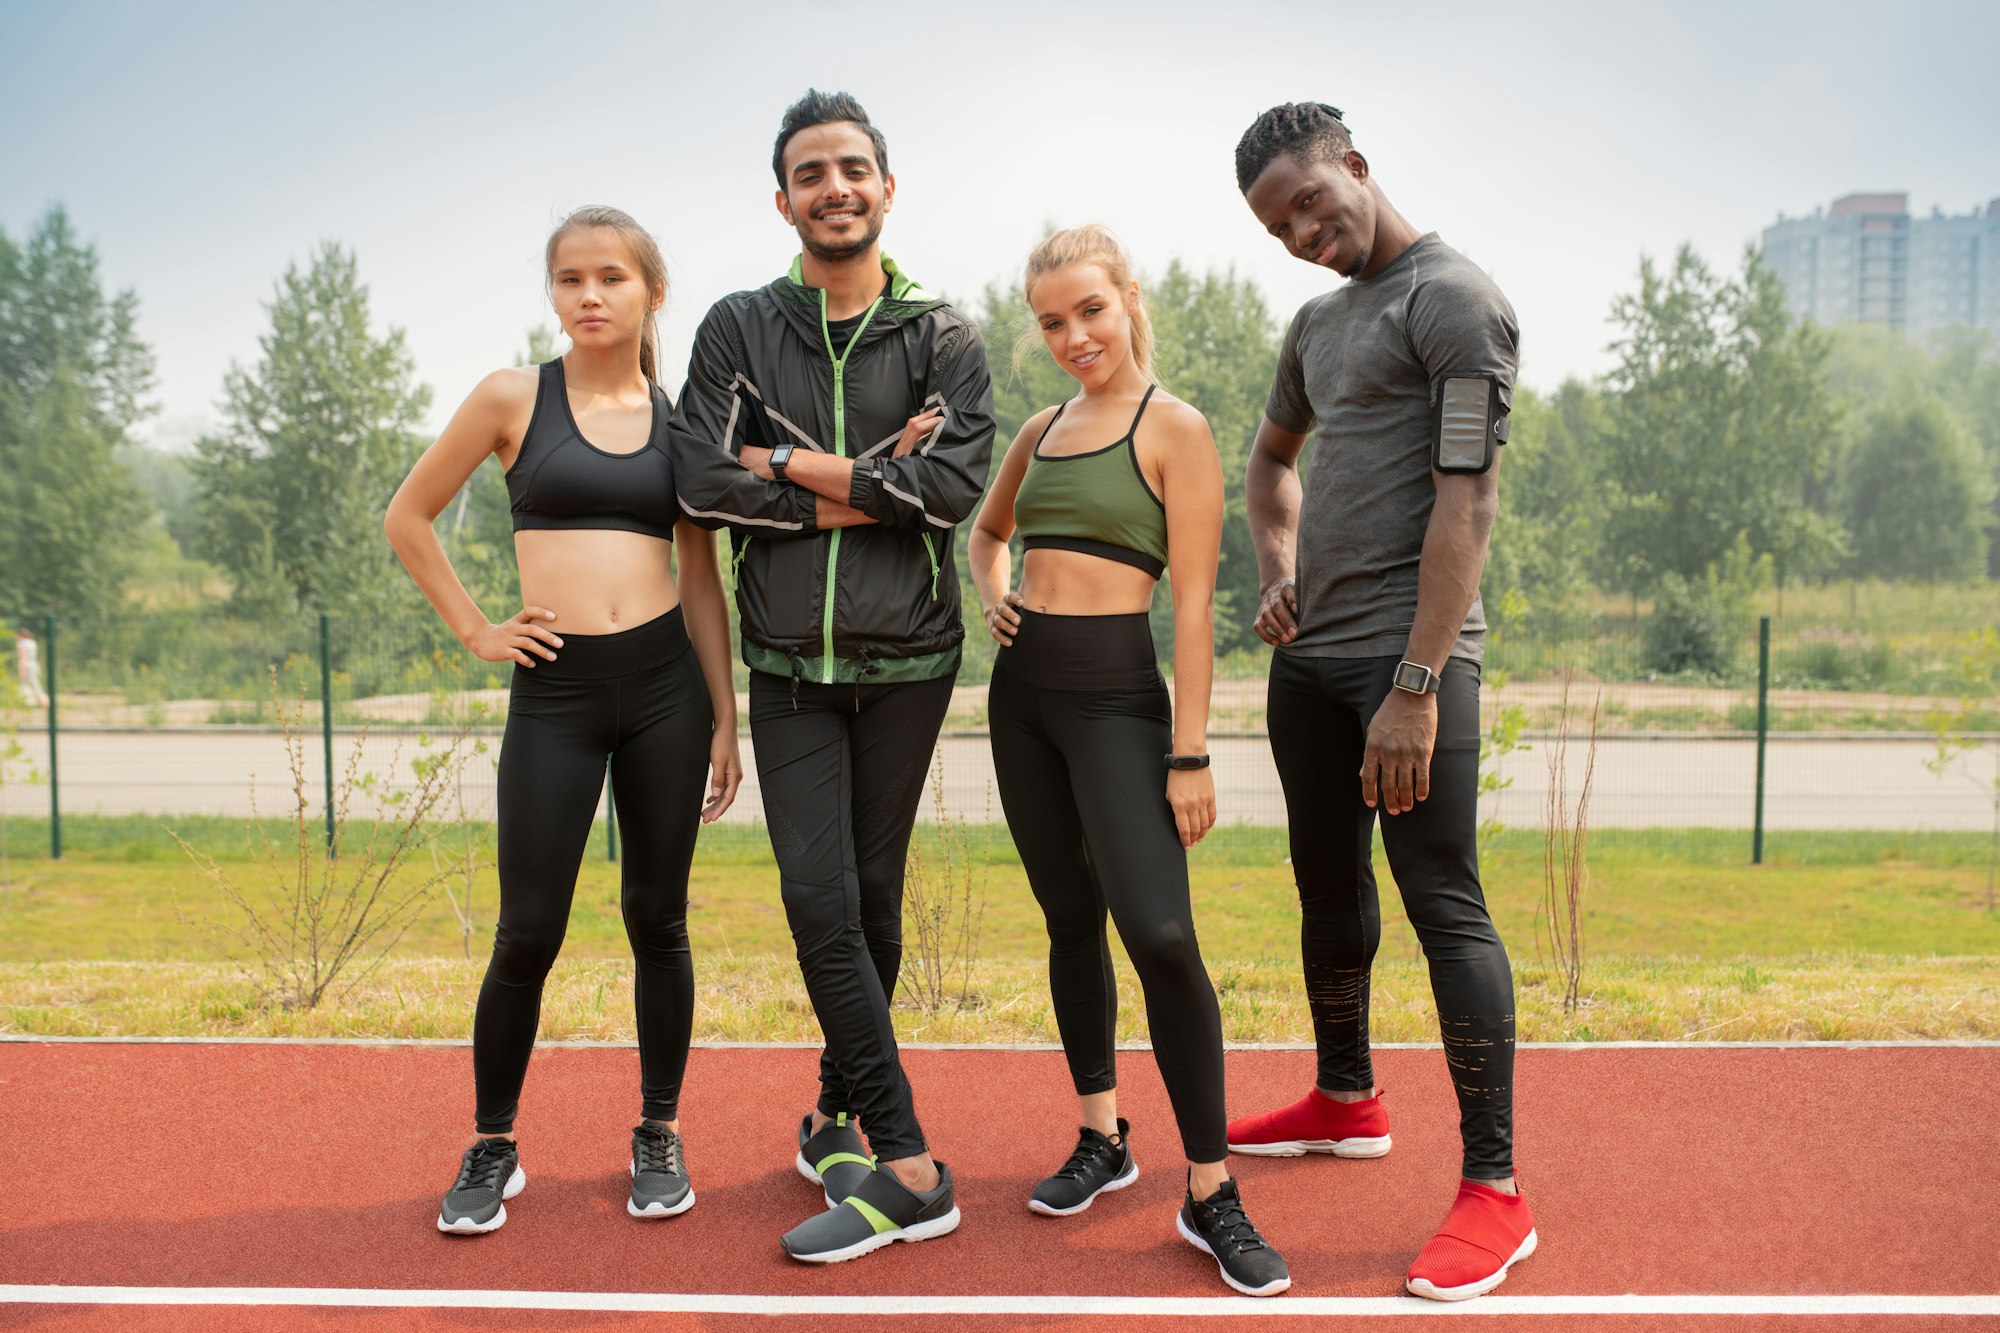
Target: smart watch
<point>780,456</point>
<point>1187,761</point>
<point>1414,678</point>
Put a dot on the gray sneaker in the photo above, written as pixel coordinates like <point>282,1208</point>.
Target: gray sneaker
<point>660,1184</point>
<point>489,1174</point>
<point>835,1159</point>
<point>879,1212</point>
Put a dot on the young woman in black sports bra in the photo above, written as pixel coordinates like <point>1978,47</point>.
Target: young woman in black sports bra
<point>616,659</point>
<point>1104,781</point>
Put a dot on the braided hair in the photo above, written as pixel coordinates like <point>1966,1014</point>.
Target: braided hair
<point>1308,131</point>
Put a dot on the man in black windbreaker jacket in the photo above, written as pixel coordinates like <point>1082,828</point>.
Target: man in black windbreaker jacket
<point>839,423</point>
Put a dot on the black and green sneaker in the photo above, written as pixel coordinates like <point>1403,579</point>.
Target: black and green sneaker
<point>1218,1226</point>
<point>879,1212</point>
<point>835,1159</point>
<point>488,1175</point>
<point>660,1184</point>
<point>1099,1164</point>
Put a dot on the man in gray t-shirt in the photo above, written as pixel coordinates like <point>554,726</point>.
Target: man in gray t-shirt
<point>1370,576</point>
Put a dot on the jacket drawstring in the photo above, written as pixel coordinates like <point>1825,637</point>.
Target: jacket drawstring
<point>798,674</point>
<point>868,668</point>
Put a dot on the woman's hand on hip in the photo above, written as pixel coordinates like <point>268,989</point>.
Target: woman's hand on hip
<point>1003,619</point>
<point>516,637</point>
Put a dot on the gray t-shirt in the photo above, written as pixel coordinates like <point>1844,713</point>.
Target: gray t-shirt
<point>1358,369</point>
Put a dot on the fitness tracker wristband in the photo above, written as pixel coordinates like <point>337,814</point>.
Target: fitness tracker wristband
<point>780,456</point>
<point>1414,678</point>
<point>1187,761</point>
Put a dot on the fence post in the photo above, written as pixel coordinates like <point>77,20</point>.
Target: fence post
<point>1763,732</point>
<point>49,688</point>
<point>326,716</point>
<point>610,818</point>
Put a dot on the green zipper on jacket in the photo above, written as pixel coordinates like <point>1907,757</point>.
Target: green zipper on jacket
<point>839,451</point>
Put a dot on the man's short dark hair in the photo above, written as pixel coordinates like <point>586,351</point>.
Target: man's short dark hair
<point>818,108</point>
<point>1308,131</point>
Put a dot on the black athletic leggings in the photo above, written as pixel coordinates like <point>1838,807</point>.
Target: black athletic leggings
<point>1319,711</point>
<point>842,768</point>
<point>1081,728</point>
<point>638,699</point>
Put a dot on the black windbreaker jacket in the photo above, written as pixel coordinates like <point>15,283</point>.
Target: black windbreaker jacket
<point>875,602</point>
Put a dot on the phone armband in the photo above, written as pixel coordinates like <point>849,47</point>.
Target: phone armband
<point>1469,423</point>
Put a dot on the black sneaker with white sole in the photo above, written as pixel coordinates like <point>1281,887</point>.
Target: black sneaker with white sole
<point>880,1211</point>
<point>1218,1226</point>
<point>488,1175</point>
<point>1099,1165</point>
<point>660,1184</point>
<point>835,1159</point>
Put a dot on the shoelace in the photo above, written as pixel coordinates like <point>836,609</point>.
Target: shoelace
<point>1093,1151</point>
<point>483,1165</point>
<point>659,1151</point>
<point>1233,1227</point>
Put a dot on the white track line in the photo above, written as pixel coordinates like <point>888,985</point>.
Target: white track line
<point>1226,1307</point>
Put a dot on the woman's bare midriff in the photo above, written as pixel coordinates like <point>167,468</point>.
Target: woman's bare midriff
<point>1070,583</point>
<point>596,580</point>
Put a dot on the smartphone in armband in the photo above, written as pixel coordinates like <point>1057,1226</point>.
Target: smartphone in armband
<point>1469,423</point>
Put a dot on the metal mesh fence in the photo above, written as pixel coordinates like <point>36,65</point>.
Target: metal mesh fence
<point>184,712</point>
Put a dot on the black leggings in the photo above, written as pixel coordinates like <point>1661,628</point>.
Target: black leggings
<point>638,698</point>
<point>843,768</point>
<point>1319,712</point>
<point>1081,727</point>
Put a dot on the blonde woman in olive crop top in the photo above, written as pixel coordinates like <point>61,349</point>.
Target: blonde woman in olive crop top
<point>1108,491</point>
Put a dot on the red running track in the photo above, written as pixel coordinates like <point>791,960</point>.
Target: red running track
<point>1731,1172</point>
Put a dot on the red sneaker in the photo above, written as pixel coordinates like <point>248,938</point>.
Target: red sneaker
<point>1485,1234</point>
<point>1314,1123</point>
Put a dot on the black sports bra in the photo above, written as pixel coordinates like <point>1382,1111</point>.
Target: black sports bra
<point>561,480</point>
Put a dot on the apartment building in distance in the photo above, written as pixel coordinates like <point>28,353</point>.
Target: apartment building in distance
<point>1865,260</point>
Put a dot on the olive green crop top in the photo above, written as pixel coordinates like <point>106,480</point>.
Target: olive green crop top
<point>1098,502</point>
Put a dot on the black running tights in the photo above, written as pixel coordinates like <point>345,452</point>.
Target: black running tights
<point>638,699</point>
<point>1083,779</point>
<point>1319,711</point>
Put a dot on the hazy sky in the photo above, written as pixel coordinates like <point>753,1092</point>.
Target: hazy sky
<point>203,145</point>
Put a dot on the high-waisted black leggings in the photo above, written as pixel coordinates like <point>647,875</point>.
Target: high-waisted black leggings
<point>1081,728</point>
<point>638,699</point>
<point>1319,711</point>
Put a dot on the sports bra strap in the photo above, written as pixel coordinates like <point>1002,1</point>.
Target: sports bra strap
<point>1133,429</point>
<point>1045,429</point>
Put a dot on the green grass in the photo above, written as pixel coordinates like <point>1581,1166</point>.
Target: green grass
<point>1840,935</point>
<point>124,893</point>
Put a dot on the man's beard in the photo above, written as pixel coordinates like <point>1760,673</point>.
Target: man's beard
<point>835,254</point>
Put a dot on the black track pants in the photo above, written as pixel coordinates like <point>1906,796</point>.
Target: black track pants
<point>843,768</point>
<point>1319,712</point>
<point>1081,726</point>
<point>638,699</point>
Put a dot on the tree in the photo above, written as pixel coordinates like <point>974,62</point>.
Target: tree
<point>1550,523</point>
<point>1917,495</point>
<point>1718,425</point>
<point>74,377</point>
<point>316,438</point>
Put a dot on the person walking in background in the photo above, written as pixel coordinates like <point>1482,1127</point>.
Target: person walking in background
<point>1105,782</point>
<point>1403,377</point>
<point>616,658</point>
<point>28,667</point>
<point>839,422</point>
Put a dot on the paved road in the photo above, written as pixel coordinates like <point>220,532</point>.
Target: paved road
<point>1812,784</point>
